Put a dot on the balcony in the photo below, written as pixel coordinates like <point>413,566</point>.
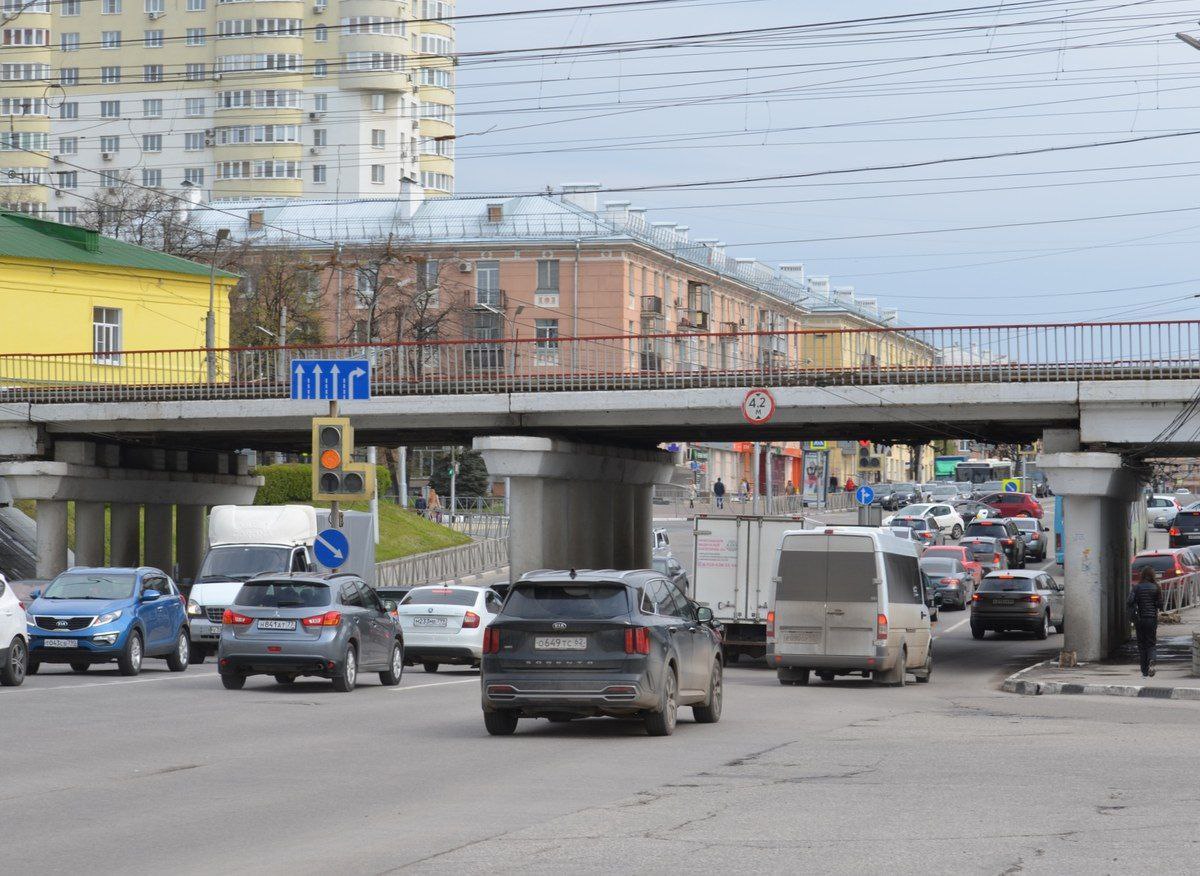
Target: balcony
<point>652,304</point>
<point>693,320</point>
<point>490,299</point>
<point>653,323</point>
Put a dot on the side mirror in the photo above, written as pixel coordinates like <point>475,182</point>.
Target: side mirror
<point>34,594</point>
<point>704,614</point>
<point>389,605</point>
<point>150,595</point>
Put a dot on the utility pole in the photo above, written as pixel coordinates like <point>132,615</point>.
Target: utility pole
<point>371,456</point>
<point>281,366</point>
<point>754,482</point>
<point>337,307</point>
<point>453,480</point>
<point>402,470</point>
<point>210,321</point>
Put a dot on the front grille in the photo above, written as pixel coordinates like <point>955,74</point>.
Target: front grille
<point>56,624</point>
<point>216,615</point>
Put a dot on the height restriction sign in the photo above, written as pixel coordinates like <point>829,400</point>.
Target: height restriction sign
<point>758,406</point>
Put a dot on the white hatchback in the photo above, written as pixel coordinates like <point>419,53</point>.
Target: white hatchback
<point>445,623</point>
<point>947,518</point>
<point>14,640</point>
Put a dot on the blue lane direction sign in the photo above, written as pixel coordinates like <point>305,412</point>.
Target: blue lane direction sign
<point>348,379</point>
<point>865,495</point>
<point>332,548</point>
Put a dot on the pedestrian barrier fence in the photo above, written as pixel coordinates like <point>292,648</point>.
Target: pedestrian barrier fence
<point>688,358</point>
<point>444,565</point>
<point>1181,592</point>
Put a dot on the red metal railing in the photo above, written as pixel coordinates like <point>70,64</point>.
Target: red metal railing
<point>875,356</point>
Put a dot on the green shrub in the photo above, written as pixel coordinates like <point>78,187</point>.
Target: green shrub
<point>291,482</point>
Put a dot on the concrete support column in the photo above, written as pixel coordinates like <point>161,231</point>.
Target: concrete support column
<point>89,533</point>
<point>189,540</point>
<point>160,548</point>
<point>125,534</point>
<point>622,520</point>
<point>531,537</point>
<point>643,526</point>
<point>51,537</point>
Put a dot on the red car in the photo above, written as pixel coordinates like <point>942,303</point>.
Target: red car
<point>1167,564</point>
<point>1014,505</point>
<point>961,554</point>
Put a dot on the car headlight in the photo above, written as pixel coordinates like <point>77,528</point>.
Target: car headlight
<point>106,618</point>
<point>194,609</point>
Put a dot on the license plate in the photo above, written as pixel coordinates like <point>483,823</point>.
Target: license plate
<point>429,621</point>
<point>560,643</point>
<point>61,643</point>
<point>1003,602</point>
<point>277,625</point>
<point>799,637</point>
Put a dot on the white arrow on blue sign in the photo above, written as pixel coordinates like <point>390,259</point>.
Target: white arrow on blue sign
<point>332,548</point>
<point>342,379</point>
<point>864,495</point>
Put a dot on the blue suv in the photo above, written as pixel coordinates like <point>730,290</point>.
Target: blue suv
<point>87,616</point>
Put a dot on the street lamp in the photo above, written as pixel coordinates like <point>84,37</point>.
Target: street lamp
<point>210,322</point>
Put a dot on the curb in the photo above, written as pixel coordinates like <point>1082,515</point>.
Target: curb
<point>1017,685</point>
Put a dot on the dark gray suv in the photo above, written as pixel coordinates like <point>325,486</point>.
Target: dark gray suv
<point>573,644</point>
<point>330,626</point>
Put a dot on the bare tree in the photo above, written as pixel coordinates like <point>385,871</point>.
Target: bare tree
<point>278,284</point>
<point>147,217</point>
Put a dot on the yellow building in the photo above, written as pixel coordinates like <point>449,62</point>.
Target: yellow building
<point>71,291</point>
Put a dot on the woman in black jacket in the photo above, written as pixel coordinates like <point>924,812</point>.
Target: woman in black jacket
<point>1145,601</point>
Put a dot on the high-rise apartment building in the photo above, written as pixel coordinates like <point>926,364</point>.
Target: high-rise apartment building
<point>234,98</point>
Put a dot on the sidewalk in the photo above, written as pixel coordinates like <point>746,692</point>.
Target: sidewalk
<point>1121,676</point>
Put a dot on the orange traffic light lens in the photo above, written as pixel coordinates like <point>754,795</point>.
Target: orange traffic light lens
<point>331,459</point>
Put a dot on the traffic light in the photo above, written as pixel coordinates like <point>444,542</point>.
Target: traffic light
<point>335,477</point>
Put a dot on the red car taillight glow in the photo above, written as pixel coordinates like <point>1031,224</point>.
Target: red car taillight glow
<point>328,619</point>
<point>637,640</point>
<point>881,628</point>
<point>491,641</point>
<point>470,621</point>
<point>233,619</point>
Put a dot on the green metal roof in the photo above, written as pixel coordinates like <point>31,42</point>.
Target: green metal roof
<point>26,237</point>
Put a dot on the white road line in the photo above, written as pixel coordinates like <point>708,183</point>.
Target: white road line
<point>953,628</point>
<point>435,684</point>
<point>180,677</point>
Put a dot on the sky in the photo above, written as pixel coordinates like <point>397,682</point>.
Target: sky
<point>1054,147</point>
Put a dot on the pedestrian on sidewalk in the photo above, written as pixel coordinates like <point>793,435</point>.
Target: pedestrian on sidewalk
<point>1146,601</point>
<point>719,493</point>
<point>692,496</point>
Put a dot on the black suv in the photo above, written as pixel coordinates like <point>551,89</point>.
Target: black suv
<point>571,644</point>
<point>1185,528</point>
<point>1006,533</point>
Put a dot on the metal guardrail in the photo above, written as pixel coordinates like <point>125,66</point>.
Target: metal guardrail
<point>1181,592</point>
<point>805,357</point>
<point>444,565</point>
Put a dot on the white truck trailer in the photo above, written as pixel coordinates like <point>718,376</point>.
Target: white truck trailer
<point>735,560</point>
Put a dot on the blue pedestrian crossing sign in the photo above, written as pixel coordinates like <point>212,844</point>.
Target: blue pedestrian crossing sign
<point>332,548</point>
<point>330,379</point>
<point>865,495</point>
<point>1011,485</point>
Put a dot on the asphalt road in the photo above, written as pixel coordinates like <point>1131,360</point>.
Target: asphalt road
<point>172,773</point>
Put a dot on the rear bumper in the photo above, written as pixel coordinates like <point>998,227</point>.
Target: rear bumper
<point>442,654</point>
<point>1029,619</point>
<point>881,660</point>
<point>579,693</point>
<point>270,664</point>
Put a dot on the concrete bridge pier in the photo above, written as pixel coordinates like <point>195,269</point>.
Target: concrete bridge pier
<point>1098,492</point>
<point>576,505</point>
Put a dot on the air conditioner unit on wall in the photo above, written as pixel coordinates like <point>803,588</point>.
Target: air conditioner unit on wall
<point>155,16</point>
<point>106,156</point>
<point>464,267</point>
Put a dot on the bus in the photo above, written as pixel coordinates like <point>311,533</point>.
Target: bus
<point>980,471</point>
<point>945,468</point>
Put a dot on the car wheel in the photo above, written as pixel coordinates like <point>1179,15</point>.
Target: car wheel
<point>956,532</point>
<point>344,681</point>
<point>977,631</point>
<point>1061,626</point>
<point>502,723</point>
<point>1043,632</point>
<point>130,660</point>
<point>12,673</point>
<point>233,682</point>
<point>661,722</point>
<point>793,676</point>
<point>898,674</point>
<point>197,656</point>
<point>281,678</point>
<point>710,712</point>
<point>80,667</point>
<point>395,671</point>
<point>430,667</point>
<point>925,672</point>
<point>182,655</point>
<point>32,667</point>
<point>825,676</point>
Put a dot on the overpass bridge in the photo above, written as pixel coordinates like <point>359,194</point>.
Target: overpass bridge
<point>574,423</point>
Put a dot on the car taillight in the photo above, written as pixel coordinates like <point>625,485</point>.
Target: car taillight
<point>1006,541</point>
<point>1034,597</point>
<point>974,597</point>
<point>995,558</point>
<point>1174,530</point>
<point>328,619</point>
<point>1178,571</point>
<point>771,624</point>
<point>232,618</point>
<point>637,640</point>
<point>491,641</point>
<point>881,628</point>
<point>951,581</point>
<point>925,534</point>
<point>470,621</point>
<point>1033,536</point>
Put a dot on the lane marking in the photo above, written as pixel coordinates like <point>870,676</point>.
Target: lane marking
<point>174,677</point>
<point>953,628</point>
<point>435,684</point>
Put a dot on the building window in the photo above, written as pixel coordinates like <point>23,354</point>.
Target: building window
<point>152,72</point>
<point>68,42</point>
<point>320,68</point>
<point>153,6</point>
<point>152,108</point>
<point>69,110</point>
<point>68,179</point>
<point>547,275</point>
<point>378,138</point>
<point>110,39</point>
<point>487,283</point>
<point>68,215</point>
<point>193,141</point>
<point>68,145</point>
<point>321,33</point>
<point>631,292</point>
<point>429,276</point>
<point>320,102</point>
<point>69,8</point>
<point>152,142</point>
<point>68,76</point>
<point>193,106</point>
<point>110,178</point>
<point>364,289</point>
<point>109,109</point>
<point>106,335</point>
<point>197,5</point>
<point>110,7</point>
<point>319,136</point>
<point>546,347</point>
<point>194,72</point>
<point>152,178</point>
<point>318,173</point>
<point>379,102</point>
<point>194,175</point>
<point>196,36</point>
<point>110,144</point>
<point>377,174</point>
<point>109,75</point>
<point>153,39</point>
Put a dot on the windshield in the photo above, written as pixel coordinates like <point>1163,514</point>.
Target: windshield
<point>981,548</point>
<point>982,527</point>
<point>917,510</point>
<point>440,596</point>
<point>567,600</point>
<point>240,562</point>
<point>944,491</point>
<point>939,565</point>
<point>1161,563</point>
<point>1019,585</point>
<point>1028,524</point>
<point>283,594</point>
<point>904,488</point>
<point>91,585</point>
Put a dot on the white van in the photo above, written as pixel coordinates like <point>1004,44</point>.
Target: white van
<point>849,599</point>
